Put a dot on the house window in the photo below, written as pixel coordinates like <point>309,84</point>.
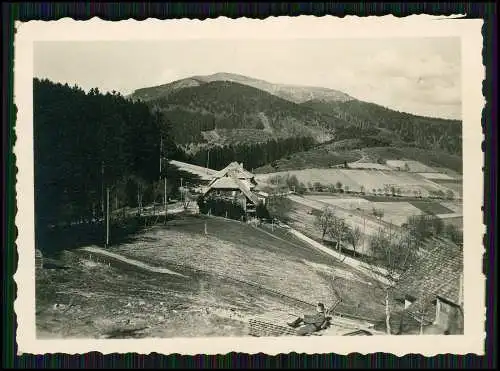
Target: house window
<point>409,300</point>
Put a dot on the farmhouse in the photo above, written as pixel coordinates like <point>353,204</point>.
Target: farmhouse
<point>235,183</point>
<point>432,291</point>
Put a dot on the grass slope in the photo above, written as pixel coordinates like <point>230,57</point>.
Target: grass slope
<point>424,132</point>
<point>104,300</point>
<point>327,155</point>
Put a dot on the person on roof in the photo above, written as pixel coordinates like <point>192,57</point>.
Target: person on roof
<point>311,322</point>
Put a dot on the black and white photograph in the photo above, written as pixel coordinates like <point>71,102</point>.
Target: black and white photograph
<point>252,187</point>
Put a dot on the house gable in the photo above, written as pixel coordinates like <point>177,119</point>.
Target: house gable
<point>432,289</point>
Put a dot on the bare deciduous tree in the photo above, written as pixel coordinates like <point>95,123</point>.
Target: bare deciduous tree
<point>354,237</point>
<point>324,221</point>
<point>338,231</point>
<point>394,253</point>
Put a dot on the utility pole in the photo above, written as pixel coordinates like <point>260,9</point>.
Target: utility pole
<point>182,193</point>
<point>164,173</point>
<point>102,188</point>
<point>165,199</point>
<point>208,159</point>
<point>107,217</point>
<point>161,154</point>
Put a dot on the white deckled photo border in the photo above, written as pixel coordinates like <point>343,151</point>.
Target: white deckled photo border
<point>302,27</point>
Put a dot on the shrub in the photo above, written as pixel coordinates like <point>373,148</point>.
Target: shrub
<point>262,212</point>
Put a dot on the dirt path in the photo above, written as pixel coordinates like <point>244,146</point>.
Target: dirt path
<point>365,268</point>
<point>367,223</point>
<point>136,263</point>
<point>364,157</point>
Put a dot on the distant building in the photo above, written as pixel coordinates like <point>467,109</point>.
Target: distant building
<point>235,183</point>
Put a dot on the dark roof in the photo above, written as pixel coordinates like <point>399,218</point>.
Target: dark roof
<point>243,187</point>
<point>437,273</point>
<point>236,169</point>
<point>232,182</point>
<point>204,173</point>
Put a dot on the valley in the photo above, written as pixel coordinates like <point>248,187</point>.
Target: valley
<point>231,226</point>
<point>225,110</point>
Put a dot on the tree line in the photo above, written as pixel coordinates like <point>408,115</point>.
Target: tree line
<point>415,232</point>
<point>422,132</point>
<point>88,143</point>
<point>393,253</point>
<point>252,155</point>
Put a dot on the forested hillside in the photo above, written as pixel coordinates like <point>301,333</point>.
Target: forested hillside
<point>87,142</point>
<point>338,153</point>
<point>418,131</point>
<point>262,123</point>
<point>252,155</point>
<point>224,106</point>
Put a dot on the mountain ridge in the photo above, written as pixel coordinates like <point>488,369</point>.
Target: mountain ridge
<point>224,109</point>
<point>292,92</point>
<point>217,106</point>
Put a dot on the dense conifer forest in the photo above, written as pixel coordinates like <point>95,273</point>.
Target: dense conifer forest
<point>85,143</point>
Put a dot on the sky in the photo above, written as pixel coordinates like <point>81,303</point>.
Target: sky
<point>415,75</point>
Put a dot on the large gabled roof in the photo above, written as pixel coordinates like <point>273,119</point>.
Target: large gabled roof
<point>437,273</point>
<point>234,168</point>
<point>246,190</point>
<point>232,182</point>
<point>204,173</point>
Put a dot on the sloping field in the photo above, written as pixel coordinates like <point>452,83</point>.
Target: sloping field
<point>431,158</point>
<point>432,208</point>
<point>433,176</point>
<point>454,206</point>
<point>371,181</point>
<point>368,165</point>
<point>454,219</point>
<point>394,212</point>
<point>232,274</point>
<point>277,260</point>
<point>345,202</point>
<point>303,220</point>
<point>455,185</point>
<point>411,166</point>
